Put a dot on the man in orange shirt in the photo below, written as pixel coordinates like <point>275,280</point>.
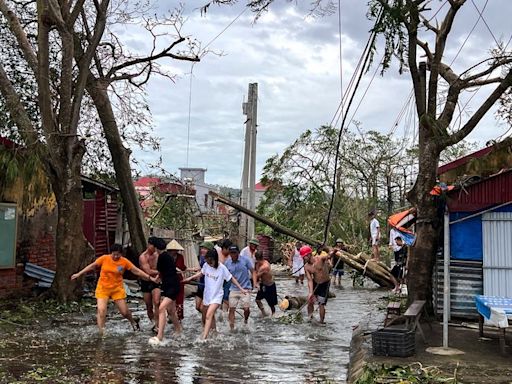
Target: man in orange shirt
<point>110,284</point>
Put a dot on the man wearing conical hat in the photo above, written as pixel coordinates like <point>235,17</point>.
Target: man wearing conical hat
<point>176,251</point>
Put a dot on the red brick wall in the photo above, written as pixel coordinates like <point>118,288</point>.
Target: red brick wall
<point>40,251</point>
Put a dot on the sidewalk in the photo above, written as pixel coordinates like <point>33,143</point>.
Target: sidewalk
<point>482,362</point>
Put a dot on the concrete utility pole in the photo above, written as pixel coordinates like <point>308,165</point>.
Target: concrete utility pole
<point>253,88</point>
<point>249,169</point>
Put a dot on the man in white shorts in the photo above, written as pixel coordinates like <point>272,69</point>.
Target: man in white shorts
<point>241,268</point>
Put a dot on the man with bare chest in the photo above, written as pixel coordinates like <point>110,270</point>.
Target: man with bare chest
<point>267,287</point>
<point>151,291</point>
<point>317,272</point>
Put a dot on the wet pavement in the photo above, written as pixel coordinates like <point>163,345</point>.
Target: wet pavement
<point>264,351</point>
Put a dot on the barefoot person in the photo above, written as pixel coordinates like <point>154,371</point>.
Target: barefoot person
<point>215,274</point>
<point>297,264</point>
<point>317,273</point>
<point>170,289</point>
<point>204,247</point>
<point>336,262</point>
<point>241,268</point>
<point>267,287</point>
<point>176,251</point>
<point>110,284</point>
<point>150,290</point>
<point>374,235</point>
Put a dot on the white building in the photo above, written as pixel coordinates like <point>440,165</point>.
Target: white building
<point>195,177</point>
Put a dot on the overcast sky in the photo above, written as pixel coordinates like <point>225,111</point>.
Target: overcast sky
<point>295,61</point>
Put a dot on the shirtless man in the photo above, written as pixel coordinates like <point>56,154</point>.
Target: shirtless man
<point>267,287</point>
<point>147,262</point>
<point>317,273</point>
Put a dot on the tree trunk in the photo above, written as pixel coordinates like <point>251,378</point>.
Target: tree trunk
<point>423,253</point>
<point>121,160</point>
<point>70,244</point>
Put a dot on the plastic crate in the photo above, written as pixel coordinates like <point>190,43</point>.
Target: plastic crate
<point>393,342</point>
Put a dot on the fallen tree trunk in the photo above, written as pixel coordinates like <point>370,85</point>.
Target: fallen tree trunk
<point>376,271</point>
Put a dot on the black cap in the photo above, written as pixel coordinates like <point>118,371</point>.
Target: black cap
<point>234,248</point>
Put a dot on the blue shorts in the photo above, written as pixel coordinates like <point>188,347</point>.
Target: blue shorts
<point>226,286</point>
<point>338,272</point>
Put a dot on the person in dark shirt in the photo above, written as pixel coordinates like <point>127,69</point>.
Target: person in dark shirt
<point>204,247</point>
<point>170,289</point>
<point>400,269</point>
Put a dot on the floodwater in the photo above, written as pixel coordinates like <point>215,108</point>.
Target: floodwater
<point>264,351</point>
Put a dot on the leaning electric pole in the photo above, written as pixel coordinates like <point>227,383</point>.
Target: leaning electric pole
<point>250,109</point>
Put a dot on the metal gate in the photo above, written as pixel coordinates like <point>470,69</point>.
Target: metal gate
<point>497,253</point>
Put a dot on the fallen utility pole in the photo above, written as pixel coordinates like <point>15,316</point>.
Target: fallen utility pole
<point>275,226</point>
<point>374,270</point>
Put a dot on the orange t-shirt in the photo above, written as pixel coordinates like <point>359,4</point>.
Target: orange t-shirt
<point>111,273</point>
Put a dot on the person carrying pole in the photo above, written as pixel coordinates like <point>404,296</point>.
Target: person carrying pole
<point>150,290</point>
<point>317,272</point>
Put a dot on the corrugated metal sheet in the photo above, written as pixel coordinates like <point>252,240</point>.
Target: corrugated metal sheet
<point>465,283</point>
<point>494,190</point>
<point>497,253</point>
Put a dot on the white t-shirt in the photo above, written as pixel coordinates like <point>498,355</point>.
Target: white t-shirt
<point>247,253</point>
<point>213,282</point>
<point>374,228</point>
<point>393,234</point>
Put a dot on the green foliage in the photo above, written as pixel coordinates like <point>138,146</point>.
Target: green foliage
<point>371,169</point>
<point>173,212</point>
<point>408,374</point>
<point>389,25</point>
<point>23,165</point>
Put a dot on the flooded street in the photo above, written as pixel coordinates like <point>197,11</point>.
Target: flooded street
<point>264,351</point>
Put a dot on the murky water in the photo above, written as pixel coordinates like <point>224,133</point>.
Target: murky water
<point>264,351</point>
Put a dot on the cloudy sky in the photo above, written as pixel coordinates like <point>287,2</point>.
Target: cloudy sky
<point>295,60</point>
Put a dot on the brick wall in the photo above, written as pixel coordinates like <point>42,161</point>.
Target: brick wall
<point>40,250</point>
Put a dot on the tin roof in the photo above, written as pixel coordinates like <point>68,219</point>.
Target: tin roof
<point>463,160</point>
<point>485,193</point>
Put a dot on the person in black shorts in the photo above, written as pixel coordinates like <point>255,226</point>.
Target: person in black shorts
<point>170,288</point>
<point>317,273</point>
<point>150,290</point>
<point>267,287</point>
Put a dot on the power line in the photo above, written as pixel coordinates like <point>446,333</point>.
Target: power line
<point>485,22</point>
<point>192,76</point>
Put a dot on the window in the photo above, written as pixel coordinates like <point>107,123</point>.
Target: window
<point>8,220</point>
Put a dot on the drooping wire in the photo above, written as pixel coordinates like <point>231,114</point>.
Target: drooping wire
<point>192,76</point>
<point>371,42</point>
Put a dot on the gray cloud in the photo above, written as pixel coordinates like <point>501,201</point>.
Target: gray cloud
<point>294,59</point>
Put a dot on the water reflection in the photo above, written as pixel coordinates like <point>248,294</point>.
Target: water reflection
<point>264,351</point>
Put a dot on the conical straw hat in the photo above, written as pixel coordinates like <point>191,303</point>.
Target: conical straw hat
<point>174,246</point>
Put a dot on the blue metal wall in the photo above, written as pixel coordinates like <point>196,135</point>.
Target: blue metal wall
<point>466,236</point>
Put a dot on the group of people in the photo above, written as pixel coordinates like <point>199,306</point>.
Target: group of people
<point>226,277</point>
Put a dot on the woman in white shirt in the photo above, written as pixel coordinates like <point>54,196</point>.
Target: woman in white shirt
<point>215,274</point>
